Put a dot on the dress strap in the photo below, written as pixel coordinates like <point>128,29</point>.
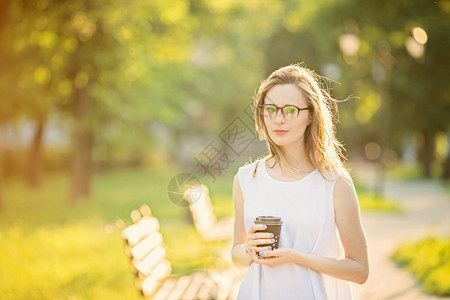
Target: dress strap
<point>254,171</point>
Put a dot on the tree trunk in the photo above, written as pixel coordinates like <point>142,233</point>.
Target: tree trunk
<point>34,170</point>
<point>82,149</point>
<point>446,163</point>
<point>446,168</point>
<point>4,19</point>
<point>427,152</point>
<point>1,179</point>
<point>4,13</point>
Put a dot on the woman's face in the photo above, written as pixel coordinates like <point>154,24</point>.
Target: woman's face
<point>282,131</point>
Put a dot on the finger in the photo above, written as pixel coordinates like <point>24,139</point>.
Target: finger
<point>267,253</point>
<point>254,254</point>
<point>259,249</point>
<point>261,242</point>
<point>249,251</point>
<point>260,260</point>
<point>262,235</point>
<point>267,261</point>
<point>259,235</point>
<point>256,227</point>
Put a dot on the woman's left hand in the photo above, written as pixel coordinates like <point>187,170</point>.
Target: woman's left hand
<point>272,258</point>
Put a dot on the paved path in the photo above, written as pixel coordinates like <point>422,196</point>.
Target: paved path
<point>427,210</point>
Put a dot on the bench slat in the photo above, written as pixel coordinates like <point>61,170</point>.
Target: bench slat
<point>161,271</point>
<point>204,218</point>
<point>152,282</point>
<point>146,245</point>
<point>196,283</point>
<point>207,290</point>
<point>166,287</point>
<point>148,286</point>
<point>180,287</point>
<point>225,284</point>
<point>225,228</point>
<point>137,232</point>
<point>150,261</point>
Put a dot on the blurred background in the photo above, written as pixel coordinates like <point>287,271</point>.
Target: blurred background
<point>102,103</point>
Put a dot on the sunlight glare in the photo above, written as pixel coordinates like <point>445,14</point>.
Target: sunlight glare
<point>420,35</point>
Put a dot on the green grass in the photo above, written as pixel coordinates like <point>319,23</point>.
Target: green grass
<point>405,172</point>
<point>412,171</point>
<point>77,260</point>
<point>446,186</point>
<point>429,260</point>
<point>377,203</point>
<point>370,201</point>
<point>52,250</point>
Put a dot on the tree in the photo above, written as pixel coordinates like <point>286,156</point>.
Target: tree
<point>95,63</point>
<point>419,98</point>
<point>4,6</point>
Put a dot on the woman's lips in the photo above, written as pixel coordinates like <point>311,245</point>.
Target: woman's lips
<point>280,132</point>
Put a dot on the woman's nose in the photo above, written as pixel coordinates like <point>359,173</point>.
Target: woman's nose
<point>279,118</point>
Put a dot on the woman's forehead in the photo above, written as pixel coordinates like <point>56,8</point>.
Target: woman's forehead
<point>285,94</point>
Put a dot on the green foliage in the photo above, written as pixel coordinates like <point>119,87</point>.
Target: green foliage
<point>199,62</point>
<point>385,79</point>
<point>429,260</point>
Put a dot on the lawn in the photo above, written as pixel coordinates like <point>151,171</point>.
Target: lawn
<point>368,200</point>
<point>52,250</point>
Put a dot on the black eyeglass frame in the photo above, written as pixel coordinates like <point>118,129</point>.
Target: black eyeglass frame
<point>282,111</point>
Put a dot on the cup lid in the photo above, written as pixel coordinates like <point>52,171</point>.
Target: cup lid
<point>268,220</point>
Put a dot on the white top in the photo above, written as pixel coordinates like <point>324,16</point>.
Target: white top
<point>306,209</point>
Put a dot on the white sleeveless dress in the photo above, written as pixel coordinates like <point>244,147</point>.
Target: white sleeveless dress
<point>307,212</point>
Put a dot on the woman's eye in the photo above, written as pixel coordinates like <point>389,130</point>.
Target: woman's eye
<point>271,109</point>
<point>290,110</point>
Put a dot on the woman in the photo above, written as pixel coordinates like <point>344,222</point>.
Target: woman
<point>322,243</point>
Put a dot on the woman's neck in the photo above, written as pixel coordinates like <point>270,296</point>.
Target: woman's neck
<point>297,158</point>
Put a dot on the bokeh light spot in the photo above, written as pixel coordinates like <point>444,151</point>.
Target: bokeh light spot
<point>42,75</point>
<point>372,150</point>
<point>414,49</point>
<point>420,35</point>
<point>81,80</point>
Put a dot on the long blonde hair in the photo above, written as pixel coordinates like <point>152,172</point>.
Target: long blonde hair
<point>321,145</point>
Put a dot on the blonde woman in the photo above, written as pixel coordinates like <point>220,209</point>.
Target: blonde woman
<point>322,244</point>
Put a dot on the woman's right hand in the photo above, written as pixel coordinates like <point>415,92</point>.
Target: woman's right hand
<point>257,240</point>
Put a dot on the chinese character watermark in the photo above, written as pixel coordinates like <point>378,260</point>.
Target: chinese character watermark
<point>213,160</point>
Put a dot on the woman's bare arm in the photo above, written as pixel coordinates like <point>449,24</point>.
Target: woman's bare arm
<point>238,254</point>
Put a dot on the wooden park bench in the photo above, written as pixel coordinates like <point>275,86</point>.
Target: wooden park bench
<point>205,220</point>
<point>146,249</point>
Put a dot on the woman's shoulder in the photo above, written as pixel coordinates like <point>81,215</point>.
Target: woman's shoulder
<point>335,176</point>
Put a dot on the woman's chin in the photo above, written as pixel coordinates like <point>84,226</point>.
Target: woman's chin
<point>281,142</point>
<point>284,140</point>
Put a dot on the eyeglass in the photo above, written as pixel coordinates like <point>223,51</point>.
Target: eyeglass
<point>288,111</point>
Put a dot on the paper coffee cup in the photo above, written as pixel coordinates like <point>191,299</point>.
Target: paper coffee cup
<point>273,226</point>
